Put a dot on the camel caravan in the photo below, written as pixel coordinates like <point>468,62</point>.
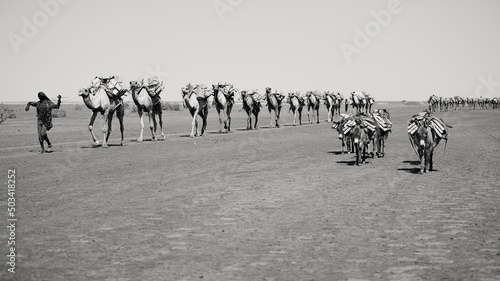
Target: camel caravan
<point>105,95</point>
<point>460,103</point>
<point>357,131</point>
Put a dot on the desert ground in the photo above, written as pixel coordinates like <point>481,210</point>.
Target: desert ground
<point>268,204</point>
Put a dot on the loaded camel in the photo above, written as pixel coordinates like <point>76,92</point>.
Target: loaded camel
<point>224,101</point>
<point>251,105</point>
<point>274,104</point>
<point>147,102</point>
<point>195,99</point>
<point>100,101</point>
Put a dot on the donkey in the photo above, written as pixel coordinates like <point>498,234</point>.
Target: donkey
<point>361,140</point>
<point>345,137</point>
<point>381,134</point>
<point>425,140</point>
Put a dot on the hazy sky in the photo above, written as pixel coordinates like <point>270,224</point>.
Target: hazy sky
<point>409,51</point>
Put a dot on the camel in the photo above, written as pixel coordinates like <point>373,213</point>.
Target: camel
<point>99,101</point>
<point>433,102</point>
<point>369,101</point>
<point>358,101</point>
<point>274,103</point>
<point>338,104</point>
<point>251,105</point>
<point>296,104</point>
<point>313,102</point>
<point>196,100</point>
<point>329,101</point>
<point>332,102</point>
<point>146,103</point>
<point>347,102</point>
<point>224,101</point>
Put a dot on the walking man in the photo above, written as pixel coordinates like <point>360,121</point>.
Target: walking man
<point>44,114</point>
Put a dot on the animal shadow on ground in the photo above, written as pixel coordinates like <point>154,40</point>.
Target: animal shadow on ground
<point>148,140</point>
<point>414,170</point>
<point>349,163</point>
<point>99,146</point>
<point>335,152</point>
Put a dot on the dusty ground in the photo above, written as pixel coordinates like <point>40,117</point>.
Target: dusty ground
<point>271,204</point>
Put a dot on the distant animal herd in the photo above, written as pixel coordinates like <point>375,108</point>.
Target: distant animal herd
<point>355,130</point>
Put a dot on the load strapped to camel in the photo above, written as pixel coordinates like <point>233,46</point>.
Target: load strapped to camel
<point>437,125</point>
<point>112,86</point>
<point>382,119</point>
<point>350,120</point>
<point>301,98</point>
<point>154,86</point>
<point>279,96</point>
<point>201,91</point>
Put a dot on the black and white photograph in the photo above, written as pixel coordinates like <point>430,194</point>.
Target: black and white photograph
<point>250,140</point>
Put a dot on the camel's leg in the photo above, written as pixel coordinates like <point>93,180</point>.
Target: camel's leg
<point>105,127</point>
<point>256,120</point>
<point>300,115</point>
<point>120,113</point>
<point>204,118</point>
<point>270,118</point>
<point>220,120</point>
<point>229,107</point>
<point>295,117</point>
<point>224,117</point>
<point>141,117</point>
<point>249,119</point>
<point>152,120</point>
<point>120,119</point>
<point>91,128</point>
<point>308,115</point>
<point>330,109</point>
<point>109,118</point>
<point>194,125</point>
<point>160,120</point>
<point>317,115</point>
<point>277,116</point>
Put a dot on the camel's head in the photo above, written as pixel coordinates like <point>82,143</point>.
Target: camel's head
<point>215,87</point>
<point>84,92</point>
<point>134,84</point>
<point>243,95</point>
<point>184,92</point>
<point>268,90</point>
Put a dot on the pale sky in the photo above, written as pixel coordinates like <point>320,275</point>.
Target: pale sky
<point>425,47</point>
